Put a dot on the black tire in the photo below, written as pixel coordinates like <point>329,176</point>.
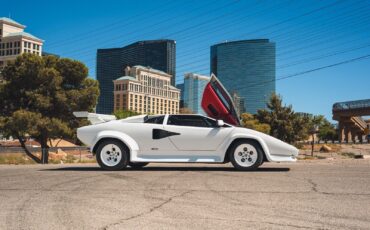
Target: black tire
<point>123,151</point>
<point>257,162</point>
<point>138,165</point>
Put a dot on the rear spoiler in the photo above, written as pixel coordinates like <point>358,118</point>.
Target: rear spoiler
<point>95,118</point>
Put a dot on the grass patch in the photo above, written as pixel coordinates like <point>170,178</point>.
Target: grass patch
<point>348,154</point>
<point>22,159</point>
<point>54,161</point>
<point>87,161</point>
<point>15,159</point>
<point>308,157</point>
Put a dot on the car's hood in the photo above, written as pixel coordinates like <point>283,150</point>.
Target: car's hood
<point>218,104</point>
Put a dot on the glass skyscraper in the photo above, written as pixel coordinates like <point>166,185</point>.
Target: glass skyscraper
<point>111,63</point>
<point>181,88</point>
<point>246,68</point>
<point>194,85</point>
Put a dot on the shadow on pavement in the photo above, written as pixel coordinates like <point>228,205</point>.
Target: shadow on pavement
<point>156,168</point>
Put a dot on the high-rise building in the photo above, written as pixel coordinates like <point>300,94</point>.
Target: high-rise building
<point>238,102</point>
<point>248,68</point>
<point>181,88</point>
<point>146,91</point>
<point>14,41</point>
<point>157,54</point>
<point>194,85</point>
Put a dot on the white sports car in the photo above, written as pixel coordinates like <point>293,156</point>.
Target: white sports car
<point>139,140</point>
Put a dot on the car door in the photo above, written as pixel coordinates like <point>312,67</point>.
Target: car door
<point>217,102</point>
<point>145,134</point>
<point>196,132</point>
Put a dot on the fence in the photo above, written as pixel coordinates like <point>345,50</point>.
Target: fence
<point>4,149</point>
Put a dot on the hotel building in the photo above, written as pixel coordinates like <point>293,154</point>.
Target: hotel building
<point>147,91</point>
<point>14,41</point>
<point>158,54</point>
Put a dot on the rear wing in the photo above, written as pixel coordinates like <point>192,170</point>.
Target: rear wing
<point>95,118</point>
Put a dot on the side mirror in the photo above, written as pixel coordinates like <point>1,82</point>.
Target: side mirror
<point>220,123</point>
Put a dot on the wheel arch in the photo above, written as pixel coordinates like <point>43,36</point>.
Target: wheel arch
<point>125,139</point>
<point>257,140</point>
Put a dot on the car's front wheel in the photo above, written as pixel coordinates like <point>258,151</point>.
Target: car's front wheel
<point>246,155</point>
<point>112,155</point>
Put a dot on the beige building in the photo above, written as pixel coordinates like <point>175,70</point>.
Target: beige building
<point>147,91</point>
<point>14,41</point>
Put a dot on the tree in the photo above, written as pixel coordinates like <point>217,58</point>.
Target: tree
<point>249,121</point>
<point>285,124</point>
<point>324,129</point>
<point>39,95</point>
<point>121,114</point>
<point>327,131</point>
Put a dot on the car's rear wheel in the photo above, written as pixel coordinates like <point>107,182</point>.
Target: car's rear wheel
<point>112,155</point>
<point>137,165</point>
<point>246,155</point>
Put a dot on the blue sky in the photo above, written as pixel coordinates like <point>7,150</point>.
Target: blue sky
<point>308,34</point>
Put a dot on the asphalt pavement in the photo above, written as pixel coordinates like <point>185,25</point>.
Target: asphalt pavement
<point>310,195</point>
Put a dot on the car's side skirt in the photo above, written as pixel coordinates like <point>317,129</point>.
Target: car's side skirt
<point>179,160</point>
<point>189,157</point>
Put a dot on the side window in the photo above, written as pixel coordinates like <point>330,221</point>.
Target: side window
<point>155,120</point>
<point>195,121</point>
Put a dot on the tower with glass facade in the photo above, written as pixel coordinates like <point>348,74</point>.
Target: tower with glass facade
<point>194,85</point>
<point>247,68</point>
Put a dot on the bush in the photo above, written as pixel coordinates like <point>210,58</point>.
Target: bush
<point>70,159</point>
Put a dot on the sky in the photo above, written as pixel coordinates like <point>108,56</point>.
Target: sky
<point>308,35</point>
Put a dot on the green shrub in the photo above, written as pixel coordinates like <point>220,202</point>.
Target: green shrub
<point>70,159</point>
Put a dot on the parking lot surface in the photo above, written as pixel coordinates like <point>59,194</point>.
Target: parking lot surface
<point>305,195</point>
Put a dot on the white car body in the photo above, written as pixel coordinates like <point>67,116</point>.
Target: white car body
<point>190,144</point>
<point>138,140</point>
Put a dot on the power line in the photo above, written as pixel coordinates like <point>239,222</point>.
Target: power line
<point>185,20</point>
<point>307,13</point>
<point>99,30</point>
<point>330,40</point>
<point>322,56</point>
<point>286,20</point>
<point>281,33</point>
<point>360,58</point>
<point>155,24</point>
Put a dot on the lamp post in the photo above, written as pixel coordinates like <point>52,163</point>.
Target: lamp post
<point>313,131</point>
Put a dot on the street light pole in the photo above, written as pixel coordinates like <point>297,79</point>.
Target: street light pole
<point>314,130</point>
<point>313,144</point>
